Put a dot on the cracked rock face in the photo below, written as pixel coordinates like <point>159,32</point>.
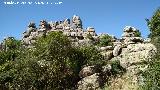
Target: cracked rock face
<point>134,58</point>
<point>136,53</point>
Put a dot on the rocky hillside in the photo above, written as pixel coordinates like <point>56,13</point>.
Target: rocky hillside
<point>132,53</point>
<point>126,57</point>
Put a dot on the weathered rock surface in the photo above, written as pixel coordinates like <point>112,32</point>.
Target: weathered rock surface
<point>134,59</point>
<point>90,83</point>
<point>129,36</point>
<point>117,50</point>
<point>107,54</point>
<point>72,28</point>
<point>106,48</point>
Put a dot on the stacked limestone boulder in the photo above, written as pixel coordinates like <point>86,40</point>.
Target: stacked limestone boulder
<point>71,28</point>
<point>129,36</point>
<point>133,57</point>
<point>30,34</point>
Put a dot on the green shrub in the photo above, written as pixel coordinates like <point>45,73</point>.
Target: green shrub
<point>52,64</point>
<point>105,40</point>
<point>152,74</point>
<point>91,56</point>
<point>116,68</point>
<point>138,33</point>
<point>154,24</point>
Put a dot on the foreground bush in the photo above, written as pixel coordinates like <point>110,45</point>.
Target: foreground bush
<point>152,75</point>
<point>52,64</point>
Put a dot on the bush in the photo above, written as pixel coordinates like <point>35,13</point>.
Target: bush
<point>105,40</point>
<point>91,56</point>
<point>116,68</point>
<point>154,24</point>
<point>138,33</point>
<point>151,75</point>
<point>9,53</point>
<point>52,64</point>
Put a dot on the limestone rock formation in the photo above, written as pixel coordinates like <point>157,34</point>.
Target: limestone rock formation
<point>71,28</point>
<point>132,51</point>
<point>133,59</point>
<point>77,22</point>
<point>129,35</point>
<point>44,25</point>
<point>31,28</point>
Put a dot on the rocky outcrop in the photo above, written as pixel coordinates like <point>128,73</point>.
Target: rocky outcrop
<point>71,28</point>
<point>129,36</point>
<point>132,51</point>
<point>134,59</point>
<point>91,78</point>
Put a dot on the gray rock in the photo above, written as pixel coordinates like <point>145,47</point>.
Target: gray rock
<point>26,41</point>
<point>107,54</point>
<point>85,42</point>
<point>117,50</point>
<point>136,53</point>
<point>117,43</point>
<point>106,48</point>
<point>44,25</point>
<point>133,59</point>
<point>77,21</point>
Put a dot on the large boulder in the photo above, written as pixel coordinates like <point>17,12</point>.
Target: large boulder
<point>106,48</point>
<point>117,50</point>
<point>136,53</point>
<point>107,54</point>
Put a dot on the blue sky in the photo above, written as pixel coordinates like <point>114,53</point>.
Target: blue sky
<point>106,16</point>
